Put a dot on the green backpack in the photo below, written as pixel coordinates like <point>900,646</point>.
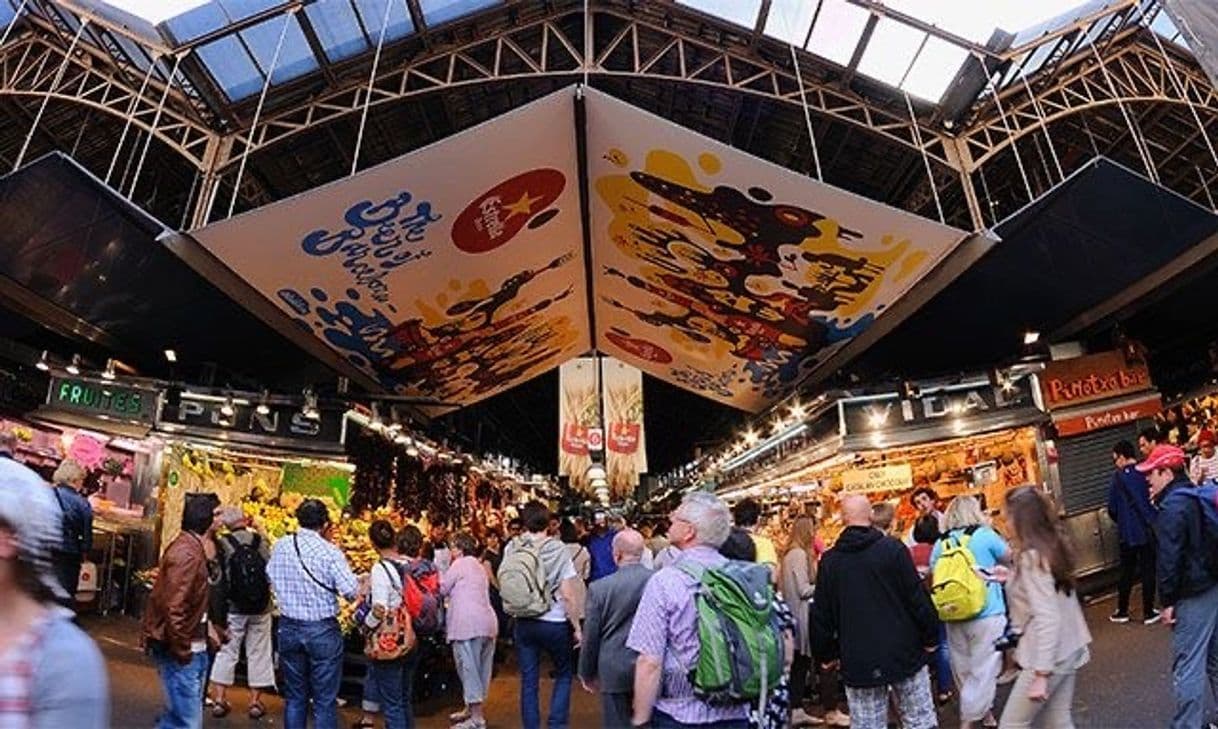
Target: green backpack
<point>740,659</point>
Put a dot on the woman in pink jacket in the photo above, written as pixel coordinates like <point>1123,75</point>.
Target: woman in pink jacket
<point>472,626</point>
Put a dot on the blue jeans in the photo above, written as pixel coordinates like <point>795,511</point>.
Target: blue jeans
<point>556,639</point>
<point>386,678</point>
<point>1195,657</point>
<point>183,686</point>
<point>660,720</point>
<point>311,657</point>
<point>943,663</point>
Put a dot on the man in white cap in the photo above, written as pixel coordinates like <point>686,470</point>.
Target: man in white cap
<point>51,673</point>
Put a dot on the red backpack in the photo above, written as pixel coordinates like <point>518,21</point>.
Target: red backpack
<point>421,590</point>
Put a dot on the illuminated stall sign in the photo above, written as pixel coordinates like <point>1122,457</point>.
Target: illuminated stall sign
<point>958,405</point>
<point>104,400</point>
<point>284,426</point>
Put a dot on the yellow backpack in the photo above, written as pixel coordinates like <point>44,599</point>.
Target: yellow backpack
<point>957,591</point>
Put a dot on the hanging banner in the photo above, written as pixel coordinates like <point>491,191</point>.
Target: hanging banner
<point>453,272</point>
<point>727,275</point>
<point>578,415</point>
<point>625,445</point>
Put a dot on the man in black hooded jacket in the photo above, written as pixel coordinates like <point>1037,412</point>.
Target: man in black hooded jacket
<point>873,615</point>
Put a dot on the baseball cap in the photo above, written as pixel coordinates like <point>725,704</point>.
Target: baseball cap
<point>1206,437</point>
<point>28,507</point>
<point>1163,456</point>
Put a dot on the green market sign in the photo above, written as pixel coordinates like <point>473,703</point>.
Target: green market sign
<point>105,400</point>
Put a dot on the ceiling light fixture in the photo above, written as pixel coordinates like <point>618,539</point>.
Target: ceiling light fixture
<point>42,362</point>
<point>73,367</point>
<point>310,410</point>
<point>1030,338</point>
<point>228,409</point>
<point>108,373</point>
<point>264,405</point>
<point>171,355</point>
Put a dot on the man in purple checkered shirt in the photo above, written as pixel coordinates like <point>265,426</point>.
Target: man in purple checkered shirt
<point>665,629</point>
<point>308,574</point>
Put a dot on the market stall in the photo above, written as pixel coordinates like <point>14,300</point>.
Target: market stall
<point>971,437</point>
<point>105,425</point>
<point>1094,400</point>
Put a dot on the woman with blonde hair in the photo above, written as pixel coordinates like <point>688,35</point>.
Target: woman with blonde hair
<point>1045,612</point>
<point>975,660</point>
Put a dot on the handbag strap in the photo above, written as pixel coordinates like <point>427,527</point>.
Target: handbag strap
<point>303,566</point>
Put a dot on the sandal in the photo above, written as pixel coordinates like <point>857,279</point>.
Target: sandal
<point>220,709</point>
<point>364,724</point>
<point>257,710</point>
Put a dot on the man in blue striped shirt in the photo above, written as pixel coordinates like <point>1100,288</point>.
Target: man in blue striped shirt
<point>308,574</point>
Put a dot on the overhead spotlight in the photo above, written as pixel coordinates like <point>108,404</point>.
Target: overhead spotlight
<point>264,404</point>
<point>108,373</point>
<point>1030,337</point>
<point>228,409</point>
<point>412,452</point>
<point>42,362</point>
<point>596,472</point>
<point>910,390</point>
<point>73,367</point>
<point>171,355</point>
<point>751,437</point>
<point>797,411</point>
<point>375,420</point>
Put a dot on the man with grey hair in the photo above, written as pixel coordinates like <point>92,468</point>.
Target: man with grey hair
<point>605,663</point>
<point>665,628</point>
<point>76,526</point>
<point>245,555</point>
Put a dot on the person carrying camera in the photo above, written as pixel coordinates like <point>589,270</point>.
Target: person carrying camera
<point>1048,628</point>
<point>971,642</point>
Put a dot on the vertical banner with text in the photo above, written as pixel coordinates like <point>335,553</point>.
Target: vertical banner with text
<point>625,445</point>
<point>578,412</point>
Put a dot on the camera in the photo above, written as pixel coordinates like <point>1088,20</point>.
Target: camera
<point>1008,640</point>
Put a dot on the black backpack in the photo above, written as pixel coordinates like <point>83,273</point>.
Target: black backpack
<point>249,590</point>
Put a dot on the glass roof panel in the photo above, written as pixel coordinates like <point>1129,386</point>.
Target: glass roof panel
<point>295,58</point>
<point>891,51</point>
<point>740,12</point>
<point>242,9</point>
<point>399,24</point>
<point>8,10</point>
<point>934,69</point>
<point>1162,24</point>
<point>789,20</point>
<point>337,28</point>
<point>837,30</point>
<point>231,67</point>
<point>195,23</point>
<point>436,12</point>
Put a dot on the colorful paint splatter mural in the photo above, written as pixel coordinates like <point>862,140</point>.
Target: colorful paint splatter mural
<point>727,275</point>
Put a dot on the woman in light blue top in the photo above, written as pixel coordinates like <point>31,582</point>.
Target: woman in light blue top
<point>976,661</point>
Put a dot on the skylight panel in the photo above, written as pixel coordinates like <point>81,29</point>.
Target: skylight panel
<point>934,69</point>
<point>740,12</point>
<point>837,31</point>
<point>789,20</point>
<point>891,51</point>
<point>436,12</point>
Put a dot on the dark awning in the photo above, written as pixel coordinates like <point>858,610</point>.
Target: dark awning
<point>1062,267</point>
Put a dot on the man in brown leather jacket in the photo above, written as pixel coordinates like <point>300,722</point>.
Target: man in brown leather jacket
<point>175,623</point>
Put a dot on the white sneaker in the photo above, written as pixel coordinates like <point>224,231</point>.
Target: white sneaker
<point>1153,618</point>
<point>459,716</point>
<point>799,717</point>
<point>837,718</point>
<point>471,723</point>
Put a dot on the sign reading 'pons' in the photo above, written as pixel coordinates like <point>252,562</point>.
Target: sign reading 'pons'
<point>98,399</point>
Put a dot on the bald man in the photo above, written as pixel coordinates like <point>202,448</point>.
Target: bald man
<point>605,663</point>
<point>873,617</point>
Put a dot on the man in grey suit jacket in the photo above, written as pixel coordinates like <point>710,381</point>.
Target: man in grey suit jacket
<point>605,663</point>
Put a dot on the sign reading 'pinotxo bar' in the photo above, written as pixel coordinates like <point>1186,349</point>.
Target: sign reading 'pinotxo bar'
<point>1093,377</point>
